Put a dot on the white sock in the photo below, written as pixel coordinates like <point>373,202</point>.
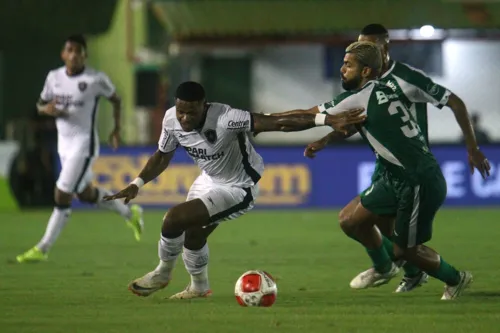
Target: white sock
<point>196,263</point>
<point>115,205</point>
<point>168,251</point>
<point>57,221</point>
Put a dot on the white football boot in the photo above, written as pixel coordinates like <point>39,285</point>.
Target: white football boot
<point>371,278</point>
<point>190,293</point>
<point>452,292</point>
<point>410,283</point>
<point>149,283</point>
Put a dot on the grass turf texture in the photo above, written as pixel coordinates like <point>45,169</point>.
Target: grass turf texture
<point>83,286</point>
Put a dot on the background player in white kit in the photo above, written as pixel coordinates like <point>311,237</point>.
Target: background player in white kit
<point>71,95</point>
<point>215,136</point>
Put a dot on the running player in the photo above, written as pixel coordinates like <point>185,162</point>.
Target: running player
<point>215,136</point>
<point>71,94</point>
<point>411,187</point>
<point>420,90</point>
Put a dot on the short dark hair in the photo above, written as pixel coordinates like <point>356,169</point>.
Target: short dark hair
<point>190,91</point>
<point>374,29</point>
<point>78,39</point>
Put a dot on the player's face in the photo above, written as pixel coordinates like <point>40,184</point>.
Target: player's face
<point>189,114</point>
<point>73,55</point>
<point>350,72</point>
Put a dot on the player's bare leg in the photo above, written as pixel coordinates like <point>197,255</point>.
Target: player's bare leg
<point>433,264</point>
<point>359,224</point>
<point>188,215</point>
<point>195,257</point>
<point>57,221</point>
<point>132,214</point>
<point>413,277</point>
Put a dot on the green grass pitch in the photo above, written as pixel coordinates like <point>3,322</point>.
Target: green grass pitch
<point>83,286</point>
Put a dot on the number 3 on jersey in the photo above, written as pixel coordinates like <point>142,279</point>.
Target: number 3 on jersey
<point>410,129</point>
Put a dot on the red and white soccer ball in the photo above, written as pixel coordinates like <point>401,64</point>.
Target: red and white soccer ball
<point>256,288</point>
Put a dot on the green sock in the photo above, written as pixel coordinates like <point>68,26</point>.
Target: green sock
<point>388,246</point>
<point>380,258</point>
<point>411,270</point>
<point>446,273</point>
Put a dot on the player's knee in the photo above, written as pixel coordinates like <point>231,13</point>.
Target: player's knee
<point>345,221</point>
<point>195,239</point>
<point>173,223</point>
<point>61,198</point>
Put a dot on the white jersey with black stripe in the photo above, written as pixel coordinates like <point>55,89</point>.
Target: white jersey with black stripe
<point>78,95</point>
<point>221,148</point>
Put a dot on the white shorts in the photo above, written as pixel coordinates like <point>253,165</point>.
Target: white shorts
<point>224,202</point>
<point>76,174</point>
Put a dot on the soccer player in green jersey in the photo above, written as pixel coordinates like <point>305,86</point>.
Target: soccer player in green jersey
<point>420,90</point>
<point>411,185</point>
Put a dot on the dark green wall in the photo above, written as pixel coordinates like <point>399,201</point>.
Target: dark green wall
<point>31,37</point>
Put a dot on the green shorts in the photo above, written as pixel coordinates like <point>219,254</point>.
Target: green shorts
<point>417,204</point>
<point>380,198</point>
<point>378,172</point>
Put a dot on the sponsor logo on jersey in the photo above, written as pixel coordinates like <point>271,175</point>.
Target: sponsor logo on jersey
<point>202,154</point>
<point>236,125</point>
<point>391,85</point>
<point>433,89</point>
<point>67,100</point>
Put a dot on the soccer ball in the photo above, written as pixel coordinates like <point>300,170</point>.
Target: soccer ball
<point>256,288</point>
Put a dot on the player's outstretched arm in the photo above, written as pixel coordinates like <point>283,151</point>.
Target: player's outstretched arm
<point>314,110</point>
<point>330,138</point>
<point>303,121</point>
<point>156,164</point>
<point>476,157</point>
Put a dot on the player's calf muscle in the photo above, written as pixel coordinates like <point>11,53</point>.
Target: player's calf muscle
<point>89,195</point>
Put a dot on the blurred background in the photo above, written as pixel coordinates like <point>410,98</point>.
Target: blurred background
<point>263,56</point>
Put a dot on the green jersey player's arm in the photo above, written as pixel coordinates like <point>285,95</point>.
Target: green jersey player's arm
<point>419,88</point>
<point>338,105</point>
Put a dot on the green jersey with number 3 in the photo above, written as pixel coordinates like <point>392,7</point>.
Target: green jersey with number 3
<point>390,128</point>
<point>418,88</point>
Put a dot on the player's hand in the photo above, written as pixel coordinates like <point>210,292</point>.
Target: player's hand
<point>115,138</point>
<point>314,147</point>
<point>52,110</point>
<point>341,121</point>
<point>129,193</point>
<point>478,161</point>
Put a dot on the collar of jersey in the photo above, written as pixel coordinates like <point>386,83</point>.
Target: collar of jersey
<point>75,75</point>
<point>391,67</point>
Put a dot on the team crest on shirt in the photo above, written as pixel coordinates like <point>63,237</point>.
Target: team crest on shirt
<point>211,135</point>
<point>432,89</point>
<point>82,86</point>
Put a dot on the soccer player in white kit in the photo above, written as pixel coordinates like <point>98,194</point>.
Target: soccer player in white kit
<point>215,136</point>
<point>71,95</point>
